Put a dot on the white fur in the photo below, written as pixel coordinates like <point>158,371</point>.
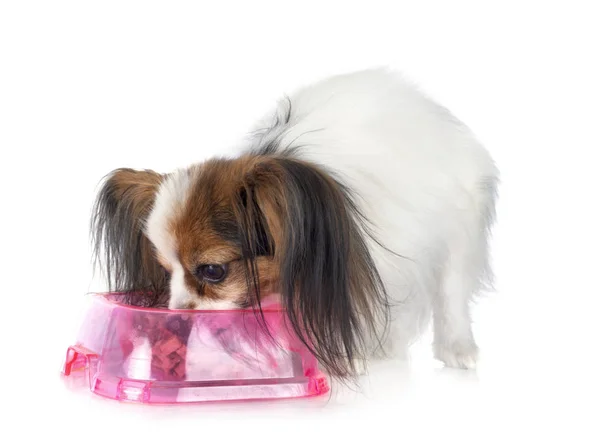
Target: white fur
<point>427,185</point>
<point>170,198</point>
<point>425,182</point>
<point>179,294</point>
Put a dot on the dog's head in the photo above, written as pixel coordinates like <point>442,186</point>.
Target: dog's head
<point>231,233</point>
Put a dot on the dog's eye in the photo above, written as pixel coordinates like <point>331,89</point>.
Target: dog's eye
<point>212,272</point>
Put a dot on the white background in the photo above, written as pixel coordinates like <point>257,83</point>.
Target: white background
<point>87,87</point>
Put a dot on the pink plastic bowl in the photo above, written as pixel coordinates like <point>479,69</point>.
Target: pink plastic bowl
<point>164,356</point>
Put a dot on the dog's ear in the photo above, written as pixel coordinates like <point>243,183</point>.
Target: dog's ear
<point>117,226</point>
<point>335,299</point>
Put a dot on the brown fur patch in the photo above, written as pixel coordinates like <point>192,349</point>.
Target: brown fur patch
<point>206,232</point>
<point>139,186</point>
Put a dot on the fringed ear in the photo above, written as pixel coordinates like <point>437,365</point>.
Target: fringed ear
<point>117,226</point>
<point>335,299</point>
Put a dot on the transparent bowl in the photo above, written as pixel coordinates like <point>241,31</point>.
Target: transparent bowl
<point>149,355</point>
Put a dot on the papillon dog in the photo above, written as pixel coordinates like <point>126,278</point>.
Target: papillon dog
<point>359,204</point>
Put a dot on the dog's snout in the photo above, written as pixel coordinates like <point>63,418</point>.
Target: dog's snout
<point>182,305</point>
<point>181,301</point>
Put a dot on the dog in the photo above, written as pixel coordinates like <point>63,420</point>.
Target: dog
<point>359,204</point>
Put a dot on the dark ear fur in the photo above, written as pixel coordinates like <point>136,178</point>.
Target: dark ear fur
<point>121,208</point>
<point>329,283</point>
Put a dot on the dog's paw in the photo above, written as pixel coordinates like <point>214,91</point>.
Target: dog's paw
<point>457,354</point>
